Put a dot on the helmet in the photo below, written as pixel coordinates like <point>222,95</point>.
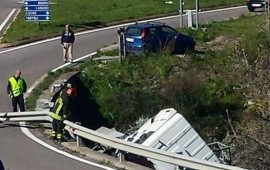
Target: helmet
<point>69,85</point>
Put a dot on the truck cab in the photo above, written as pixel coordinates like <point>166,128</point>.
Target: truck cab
<point>170,131</point>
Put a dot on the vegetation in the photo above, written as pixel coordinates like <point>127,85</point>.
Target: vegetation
<point>95,13</point>
<point>45,84</point>
<point>222,93</point>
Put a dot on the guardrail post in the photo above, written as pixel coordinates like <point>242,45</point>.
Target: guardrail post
<point>121,156</point>
<point>190,19</point>
<point>78,138</point>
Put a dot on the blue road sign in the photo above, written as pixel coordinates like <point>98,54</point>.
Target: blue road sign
<point>35,8</point>
<point>31,3</point>
<point>27,13</point>
<point>35,0</point>
<point>37,18</point>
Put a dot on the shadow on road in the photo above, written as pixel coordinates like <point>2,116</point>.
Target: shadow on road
<point>2,165</point>
<point>11,124</point>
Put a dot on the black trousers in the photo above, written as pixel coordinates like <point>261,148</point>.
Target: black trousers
<point>18,101</point>
<point>57,129</point>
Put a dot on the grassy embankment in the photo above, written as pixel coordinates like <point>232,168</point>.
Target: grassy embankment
<point>201,88</point>
<point>85,14</point>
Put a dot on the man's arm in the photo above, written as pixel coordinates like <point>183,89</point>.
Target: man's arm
<point>24,86</point>
<point>8,88</point>
<point>72,37</point>
<point>62,38</point>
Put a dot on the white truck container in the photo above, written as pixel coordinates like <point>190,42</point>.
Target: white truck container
<point>170,131</point>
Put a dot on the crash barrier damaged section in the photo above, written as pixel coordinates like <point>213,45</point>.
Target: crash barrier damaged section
<point>31,116</point>
<point>122,145</point>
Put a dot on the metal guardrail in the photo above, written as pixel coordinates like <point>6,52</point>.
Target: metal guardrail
<point>120,144</point>
<point>25,116</point>
<point>138,149</point>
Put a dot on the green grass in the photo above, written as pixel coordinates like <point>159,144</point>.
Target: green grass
<point>114,86</point>
<point>242,29</point>
<point>95,13</point>
<point>45,84</point>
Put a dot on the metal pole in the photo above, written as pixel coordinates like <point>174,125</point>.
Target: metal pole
<point>197,14</point>
<point>265,7</point>
<point>78,138</point>
<point>120,44</point>
<point>124,43</point>
<point>181,13</point>
<point>268,15</point>
<point>121,156</point>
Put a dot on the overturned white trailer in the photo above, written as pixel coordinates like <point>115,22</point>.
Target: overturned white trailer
<point>170,131</point>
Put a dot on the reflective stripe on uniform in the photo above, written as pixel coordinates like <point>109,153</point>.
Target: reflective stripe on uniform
<point>56,116</point>
<point>53,133</point>
<point>16,86</point>
<point>56,109</point>
<point>59,136</point>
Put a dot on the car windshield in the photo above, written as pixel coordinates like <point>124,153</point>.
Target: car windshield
<point>133,31</point>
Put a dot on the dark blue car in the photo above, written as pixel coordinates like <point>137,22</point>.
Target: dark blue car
<point>255,4</point>
<point>155,37</point>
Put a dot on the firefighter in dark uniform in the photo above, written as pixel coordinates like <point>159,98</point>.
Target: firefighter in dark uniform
<point>59,112</point>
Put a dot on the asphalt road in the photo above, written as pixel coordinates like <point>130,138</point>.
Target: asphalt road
<point>16,150</point>
<point>6,6</point>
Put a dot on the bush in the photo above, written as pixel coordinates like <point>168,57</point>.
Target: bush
<point>125,91</point>
<point>142,85</point>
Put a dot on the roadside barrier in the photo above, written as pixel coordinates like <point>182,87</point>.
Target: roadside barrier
<point>120,144</point>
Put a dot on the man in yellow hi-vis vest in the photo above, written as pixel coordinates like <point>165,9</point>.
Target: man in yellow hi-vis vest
<point>15,89</point>
<point>59,112</point>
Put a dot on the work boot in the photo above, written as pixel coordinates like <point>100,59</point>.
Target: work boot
<point>53,138</point>
<point>59,141</point>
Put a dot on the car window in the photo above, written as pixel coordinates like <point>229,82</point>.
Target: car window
<point>133,31</point>
<point>152,31</point>
<point>168,31</point>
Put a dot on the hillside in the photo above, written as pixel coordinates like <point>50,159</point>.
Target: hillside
<point>222,90</point>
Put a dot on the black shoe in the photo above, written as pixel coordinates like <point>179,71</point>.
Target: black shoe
<point>53,138</point>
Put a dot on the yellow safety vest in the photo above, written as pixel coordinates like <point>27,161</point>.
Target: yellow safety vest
<point>56,109</point>
<point>16,86</point>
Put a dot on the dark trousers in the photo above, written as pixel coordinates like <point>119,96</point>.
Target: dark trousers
<point>18,100</point>
<point>57,129</point>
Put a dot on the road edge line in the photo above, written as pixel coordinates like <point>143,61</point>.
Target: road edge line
<point>4,23</point>
<point>31,136</point>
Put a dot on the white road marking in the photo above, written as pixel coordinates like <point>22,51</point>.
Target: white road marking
<point>107,28</point>
<point>76,60</point>
<point>36,83</point>
<point>7,19</point>
<point>31,136</point>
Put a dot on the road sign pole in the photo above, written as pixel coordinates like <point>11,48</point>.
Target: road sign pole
<point>181,13</point>
<point>197,14</point>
